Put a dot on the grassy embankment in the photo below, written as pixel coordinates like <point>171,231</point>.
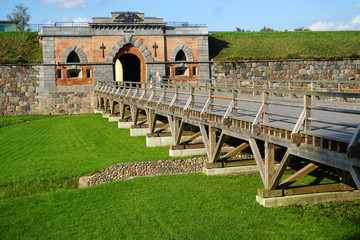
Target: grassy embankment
<point>44,159</point>
<point>20,48</point>
<point>234,46</point>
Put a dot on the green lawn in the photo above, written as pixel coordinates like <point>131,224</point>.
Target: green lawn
<point>40,154</point>
<point>233,46</point>
<point>50,154</point>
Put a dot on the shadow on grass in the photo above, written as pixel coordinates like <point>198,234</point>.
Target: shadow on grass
<point>215,46</point>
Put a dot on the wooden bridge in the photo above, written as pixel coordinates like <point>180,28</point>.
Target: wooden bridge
<point>301,124</point>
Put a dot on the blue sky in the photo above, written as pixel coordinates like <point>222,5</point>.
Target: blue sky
<point>223,15</point>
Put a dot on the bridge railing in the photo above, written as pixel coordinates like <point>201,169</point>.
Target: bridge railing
<point>313,85</point>
<point>311,114</point>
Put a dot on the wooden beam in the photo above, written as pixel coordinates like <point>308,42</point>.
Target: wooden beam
<point>353,148</point>
<point>334,187</point>
<point>238,149</point>
<point>193,137</point>
<point>179,132</point>
<point>355,173</point>
<point>258,158</point>
<point>299,174</point>
<point>281,169</point>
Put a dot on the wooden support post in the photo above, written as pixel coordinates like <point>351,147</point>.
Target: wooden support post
<point>213,147</point>
<point>234,100</point>
<point>151,119</point>
<point>122,109</point>
<point>355,173</point>
<point>354,148</point>
<point>299,174</point>
<point>111,107</point>
<point>307,110</point>
<point>269,163</point>
<point>258,158</point>
<point>265,115</point>
<point>134,113</point>
<point>280,171</point>
<point>176,127</point>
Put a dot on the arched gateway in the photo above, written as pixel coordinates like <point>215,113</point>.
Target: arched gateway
<point>127,46</point>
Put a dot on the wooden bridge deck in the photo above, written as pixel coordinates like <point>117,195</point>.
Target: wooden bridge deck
<point>303,123</point>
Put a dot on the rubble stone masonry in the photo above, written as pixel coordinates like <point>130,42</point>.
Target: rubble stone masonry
<point>20,94</point>
<point>288,70</point>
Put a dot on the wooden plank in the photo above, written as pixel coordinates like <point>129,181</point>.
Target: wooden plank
<point>299,122</point>
<point>179,132</point>
<point>280,171</point>
<point>258,158</point>
<point>318,189</point>
<point>221,97</point>
<point>299,174</point>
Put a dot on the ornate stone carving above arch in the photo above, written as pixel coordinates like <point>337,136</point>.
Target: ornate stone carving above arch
<point>129,40</point>
<point>78,51</point>
<point>187,51</point>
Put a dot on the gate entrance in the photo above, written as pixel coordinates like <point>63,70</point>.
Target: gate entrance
<point>129,65</point>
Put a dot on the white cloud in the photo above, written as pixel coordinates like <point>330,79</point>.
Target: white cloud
<point>67,4</point>
<point>65,21</point>
<point>354,24</point>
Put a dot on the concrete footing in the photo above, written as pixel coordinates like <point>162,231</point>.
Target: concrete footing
<point>231,170</point>
<point>98,111</point>
<point>194,152</point>
<point>114,119</point>
<point>308,198</point>
<point>165,141</point>
<point>106,115</point>
<point>125,124</point>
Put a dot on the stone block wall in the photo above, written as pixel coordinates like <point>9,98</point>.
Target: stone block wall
<point>18,90</point>
<point>22,92</point>
<point>288,70</point>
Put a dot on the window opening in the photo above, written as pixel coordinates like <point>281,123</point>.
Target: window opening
<point>73,58</point>
<point>59,73</point>
<point>194,71</point>
<point>88,73</point>
<point>180,56</point>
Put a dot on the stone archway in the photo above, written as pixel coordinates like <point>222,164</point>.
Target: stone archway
<point>130,45</point>
<point>77,50</point>
<point>133,63</point>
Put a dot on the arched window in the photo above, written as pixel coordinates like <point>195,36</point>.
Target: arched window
<point>180,56</point>
<point>73,58</point>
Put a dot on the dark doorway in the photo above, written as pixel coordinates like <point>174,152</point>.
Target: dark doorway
<point>131,67</point>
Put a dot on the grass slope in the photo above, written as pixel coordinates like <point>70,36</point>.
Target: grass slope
<point>42,156</point>
<point>233,46</point>
<point>20,47</point>
<point>50,154</point>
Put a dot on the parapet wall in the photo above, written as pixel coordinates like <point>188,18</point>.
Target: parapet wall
<point>20,94</point>
<point>288,70</point>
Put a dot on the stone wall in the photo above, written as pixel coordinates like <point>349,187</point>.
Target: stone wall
<point>288,70</point>
<point>18,90</point>
<point>22,92</point>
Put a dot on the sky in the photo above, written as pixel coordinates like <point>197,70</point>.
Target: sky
<point>225,15</point>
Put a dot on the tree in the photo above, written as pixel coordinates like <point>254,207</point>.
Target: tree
<point>302,29</point>
<point>20,15</point>
<point>266,29</point>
